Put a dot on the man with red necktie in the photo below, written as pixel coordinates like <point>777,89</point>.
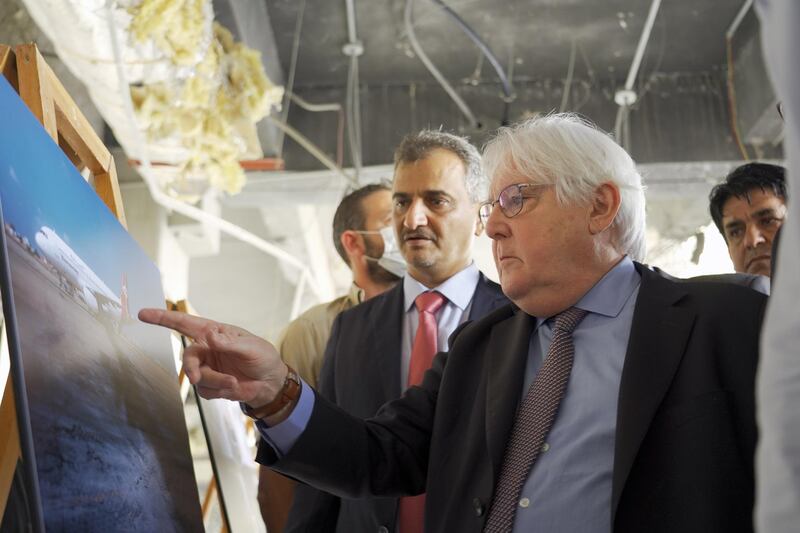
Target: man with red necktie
<point>381,347</point>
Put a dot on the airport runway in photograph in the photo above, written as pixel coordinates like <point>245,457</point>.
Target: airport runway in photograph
<point>111,443</point>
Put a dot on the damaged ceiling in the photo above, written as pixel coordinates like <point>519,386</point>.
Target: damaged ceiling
<point>682,109</point>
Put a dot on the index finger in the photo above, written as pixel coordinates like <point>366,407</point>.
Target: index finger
<point>191,326</point>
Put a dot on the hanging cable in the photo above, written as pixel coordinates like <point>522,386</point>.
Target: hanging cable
<point>412,38</point>
<point>484,48</point>
<point>568,81</point>
<point>357,116</point>
<point>321,108</point>
<point>626,97</point>
<point>353,116</point>
<point>732,112</point>
<point>314,108</point>
<point>351,135</point>
<point>292,69</point>
<point>353,48</point>
<point>642,46</point>
<point>300,139</point>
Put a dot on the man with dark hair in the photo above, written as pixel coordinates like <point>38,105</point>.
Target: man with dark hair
<point>376,350</point>
<point>748,208</point>
<point>360,215</point>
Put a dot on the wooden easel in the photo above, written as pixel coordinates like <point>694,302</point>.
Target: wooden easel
<point>44,95</point>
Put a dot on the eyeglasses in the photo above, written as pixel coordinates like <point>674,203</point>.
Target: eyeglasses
<point>510,200</point>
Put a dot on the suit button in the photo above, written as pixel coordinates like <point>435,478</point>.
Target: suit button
<point>383,529</point>
<point>477,504</point>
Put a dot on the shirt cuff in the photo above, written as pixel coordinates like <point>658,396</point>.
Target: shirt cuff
<point>282,436</point>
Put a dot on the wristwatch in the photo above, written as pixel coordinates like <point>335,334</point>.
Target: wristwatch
<point>289,392</point>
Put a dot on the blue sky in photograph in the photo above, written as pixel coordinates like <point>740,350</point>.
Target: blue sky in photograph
<point>39,187</point>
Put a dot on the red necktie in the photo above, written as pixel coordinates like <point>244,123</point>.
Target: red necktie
<point>412,508</point>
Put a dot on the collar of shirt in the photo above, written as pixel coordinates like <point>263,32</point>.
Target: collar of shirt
<point>608,296</point>
<point>458,289</point>
<point>356,294</point>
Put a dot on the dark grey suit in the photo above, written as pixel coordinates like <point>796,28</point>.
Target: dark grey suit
<point>685,432</point>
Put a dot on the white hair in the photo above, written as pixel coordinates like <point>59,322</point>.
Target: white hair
<point>575,156</point>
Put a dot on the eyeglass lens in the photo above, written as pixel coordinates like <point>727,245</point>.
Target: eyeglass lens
<point>510,200</point>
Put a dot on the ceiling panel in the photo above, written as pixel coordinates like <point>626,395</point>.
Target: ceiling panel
<point>533,38</point>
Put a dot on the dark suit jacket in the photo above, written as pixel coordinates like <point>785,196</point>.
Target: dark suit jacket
<point>752,281</point>
<point>685,433</point>
<point>360,373</point>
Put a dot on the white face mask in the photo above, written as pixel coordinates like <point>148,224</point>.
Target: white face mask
<point>391,260</point>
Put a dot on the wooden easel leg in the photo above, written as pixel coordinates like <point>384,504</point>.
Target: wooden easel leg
<point>33,87</point>
<point>9,444</point>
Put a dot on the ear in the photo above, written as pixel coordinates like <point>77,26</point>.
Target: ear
<point>604,208</point>
<point>352,243</point>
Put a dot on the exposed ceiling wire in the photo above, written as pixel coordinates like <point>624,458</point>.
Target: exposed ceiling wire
<point>642,46</point>
<point>568,81</point>
<point>412,38</point>
<point>586,84</point>
<point>353,105</point>
<point>626,97</point>
<point>732,110</point>
<point>484,48</point>
<point>314,108</point>
<point>353,48</point>
<point>292,69</point>
<point>646,82</point>
<point>511,60</point>
<point>475,77</point>
<point>321,108</point>
<point>300,139</point>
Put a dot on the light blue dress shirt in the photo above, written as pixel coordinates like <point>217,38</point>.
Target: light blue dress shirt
<point>458,289</point>
<point>569,487</point>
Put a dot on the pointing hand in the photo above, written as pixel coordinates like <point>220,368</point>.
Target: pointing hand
<point>225,361</point>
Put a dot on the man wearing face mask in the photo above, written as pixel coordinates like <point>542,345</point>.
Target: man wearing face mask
<point>361,218</point>
<point>378,349</point>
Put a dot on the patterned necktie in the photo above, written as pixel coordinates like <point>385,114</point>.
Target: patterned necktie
<point>412,508</point>
<point>533,421</point>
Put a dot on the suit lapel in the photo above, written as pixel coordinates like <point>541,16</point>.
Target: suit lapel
<point>385,330</point>
<point>508,353</point>
<point>487,297</point>
<point>659,333</point>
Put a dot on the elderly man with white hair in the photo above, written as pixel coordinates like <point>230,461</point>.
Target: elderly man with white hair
<point>607,398</point>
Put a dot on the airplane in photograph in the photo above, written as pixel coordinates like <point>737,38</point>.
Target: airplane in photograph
<point>98,297</point>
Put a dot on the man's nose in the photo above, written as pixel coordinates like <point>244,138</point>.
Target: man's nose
<point>753,236</point>
<point>416,215</point>
<point>495,225</point>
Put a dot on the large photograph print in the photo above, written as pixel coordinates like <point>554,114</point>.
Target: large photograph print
<point>110,441</point>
